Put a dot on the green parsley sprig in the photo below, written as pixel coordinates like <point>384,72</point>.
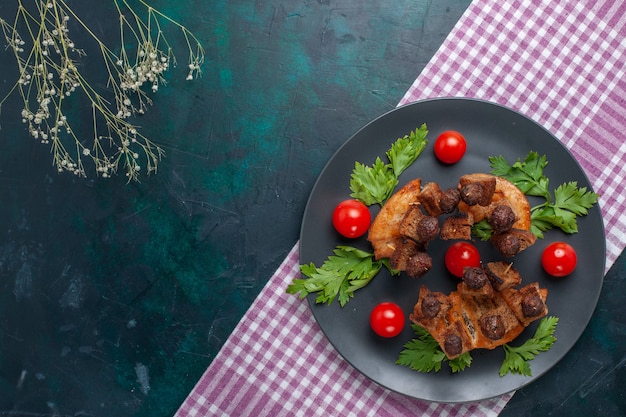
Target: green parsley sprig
<point>348,270</point>
<point>375,184</point>
<point>423,354</point>
<point>560,210</point>
<point>517,358</point>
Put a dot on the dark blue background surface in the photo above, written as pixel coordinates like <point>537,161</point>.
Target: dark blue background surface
<point>153,276</point>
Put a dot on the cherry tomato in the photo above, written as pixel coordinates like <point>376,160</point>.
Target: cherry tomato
<point>450,147</point>
<point>459,255</point>
<point>351,218</point>
<point>559,259</point>
<point>387,319</point>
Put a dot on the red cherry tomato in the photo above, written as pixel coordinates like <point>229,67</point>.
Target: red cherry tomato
<point>450,147</point>
<point>387,319</point>
<point>558,259</point>
<point>351,218</point>
<point>459,255</point>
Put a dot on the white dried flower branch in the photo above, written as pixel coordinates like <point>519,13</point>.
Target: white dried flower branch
<point>49,76</point>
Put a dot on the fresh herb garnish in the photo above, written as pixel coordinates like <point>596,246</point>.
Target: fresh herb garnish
<point>424,354</point>
<point>527,176</point>
<point>351,269</point>
<point>348,270</point>
<point>517,358</point>
<point>405,150</point>
<point>569,201</point>
<point>372,184</point>
<point>560,211</point>
<point>375,184</point>
<point>482,230</point>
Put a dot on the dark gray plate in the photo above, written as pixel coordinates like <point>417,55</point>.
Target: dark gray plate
<point>490,130</point>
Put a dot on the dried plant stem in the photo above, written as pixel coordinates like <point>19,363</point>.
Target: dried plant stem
<point>48,63</point>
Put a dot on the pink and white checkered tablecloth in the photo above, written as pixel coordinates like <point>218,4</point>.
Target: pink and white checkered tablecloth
<point>561,63</point>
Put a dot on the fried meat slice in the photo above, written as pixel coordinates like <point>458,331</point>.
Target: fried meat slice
<point>528,303</point>
<point>404,248</point>
<point>410,222</point>
<point>476,315</point>
<point>476,283</point>
<point>457,226</point>
<point>505,192</point>
<point>512,242</point>
<point>430,199</point>
<point>386,227</point>
<point>502,275</point>
<point>493,320</point>
<point>477,189</point>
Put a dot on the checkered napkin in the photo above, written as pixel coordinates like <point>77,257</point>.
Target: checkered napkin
<point>561,63</point>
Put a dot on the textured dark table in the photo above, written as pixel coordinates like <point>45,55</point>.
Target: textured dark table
<point>115,298</point>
